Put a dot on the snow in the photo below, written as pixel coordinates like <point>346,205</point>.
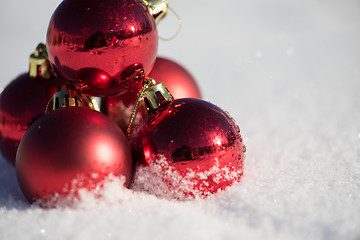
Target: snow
<point>287,71</point>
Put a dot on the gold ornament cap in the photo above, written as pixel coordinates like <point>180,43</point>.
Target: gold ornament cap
<point>65,98</point>
<point>39,64</point>
<point>157,8</point>
<point>156,96</point>
<point>68,97</point>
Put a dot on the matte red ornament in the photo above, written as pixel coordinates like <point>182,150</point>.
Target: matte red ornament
<point>176,78</point>
<point>22,102</point>
<point>102,46</point>
<point>189,148</point>
<point>69,149</point>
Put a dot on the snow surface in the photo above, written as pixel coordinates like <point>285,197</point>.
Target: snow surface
<point>288,71</point>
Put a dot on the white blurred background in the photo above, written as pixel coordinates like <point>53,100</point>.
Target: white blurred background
<point>289,73</point>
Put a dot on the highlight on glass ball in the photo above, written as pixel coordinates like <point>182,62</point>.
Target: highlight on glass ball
<point>153,131</point>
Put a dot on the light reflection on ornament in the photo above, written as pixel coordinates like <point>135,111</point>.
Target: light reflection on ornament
<point>217,141</point>
<point>104,151</point>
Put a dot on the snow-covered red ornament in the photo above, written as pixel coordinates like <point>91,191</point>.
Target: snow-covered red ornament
<point>102,47</point>
<point>69,149</point>
<point>185,148</point>
<point>24,100</point>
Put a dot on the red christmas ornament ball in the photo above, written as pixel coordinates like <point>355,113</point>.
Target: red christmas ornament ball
<point>177,79</point>
<point>69,149</point>
<point>102,43</point>
<point>191,146</point>
<point>21,103</point>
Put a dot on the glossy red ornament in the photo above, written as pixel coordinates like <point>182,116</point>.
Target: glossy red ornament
<point>69,149</point>
<point>176,78</point>
<point>22,102</point>
<point>102,44</point>
<point>190,147</point>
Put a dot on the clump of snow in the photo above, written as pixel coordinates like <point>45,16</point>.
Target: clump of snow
<point>76,194</point>
<point>164,180</point>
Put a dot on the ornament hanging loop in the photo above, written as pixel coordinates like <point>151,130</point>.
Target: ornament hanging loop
<point>178,29</point>
<point>91,102</point>
<point>159,9</point>
<point>146,83</point>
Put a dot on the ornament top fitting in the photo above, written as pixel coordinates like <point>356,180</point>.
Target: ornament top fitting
<point>65,98</point>
<point>68,97</point>
<point>157,8</point>
<point>39,63</point>
<point>155,96</point>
